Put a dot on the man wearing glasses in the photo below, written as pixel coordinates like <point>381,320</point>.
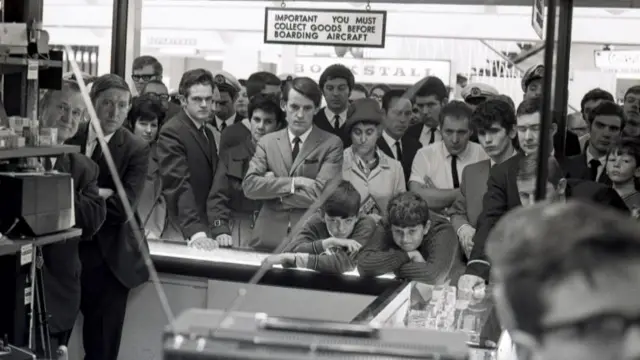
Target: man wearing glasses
<point>158,90</point>
<point>145,68</point>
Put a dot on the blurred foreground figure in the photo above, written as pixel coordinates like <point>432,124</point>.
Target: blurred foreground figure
<point>567,281</point>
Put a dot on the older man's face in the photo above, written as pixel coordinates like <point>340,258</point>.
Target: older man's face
<point>64,112</point>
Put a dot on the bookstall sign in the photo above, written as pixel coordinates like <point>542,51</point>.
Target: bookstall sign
<point>356,28</point>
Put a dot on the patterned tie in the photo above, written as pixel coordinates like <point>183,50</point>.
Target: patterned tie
<point>454,171</point>
<point>296,148</point>
<point>336,122</point>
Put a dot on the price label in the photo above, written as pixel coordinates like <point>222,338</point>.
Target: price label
<point>26,254</point>
<point>32,69</point>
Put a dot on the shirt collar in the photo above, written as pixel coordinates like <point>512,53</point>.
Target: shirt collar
<point>390,141</point>
<point>228,121</point>
<point>92,136</point>
<point>197,124</point>
<point>462,155</point>
<point>590,157</point>
<point>330,115</point>
<point>302,137</point>
<point>493,163</point>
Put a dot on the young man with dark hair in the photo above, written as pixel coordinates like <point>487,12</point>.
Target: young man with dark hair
<point>436,169</point>
<point>358,92</point>
<point>395,142</point>
<point>291,167</point>
<point>261,82</point>
<point>336,83</point>
<point>632,111</point>
<point>224,108</point>
<point>416,244</point>
<point>567,276</point>
<point>494,120</point>
<point>605,121</point>
<point>429,100</point>
<point>144,69</point>
<point>331,238</point>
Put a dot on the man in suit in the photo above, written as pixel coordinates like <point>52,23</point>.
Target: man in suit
<point>590,101</point>
<point>336,83</point>
<point>430,98</point>
<point>503,193</point>
<point>494,120</point>
<point>606,122</point>
<point>261,82</point>
<point>394,140</point>
<point>188,160</point>
<point>291,167</point>
<point>63,109</point>
<point>224,107</point>
<point>112,263</point>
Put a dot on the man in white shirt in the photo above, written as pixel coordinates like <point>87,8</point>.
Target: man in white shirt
<point>429,100</point>
<point>336,83</point>
<point>437,168</point>
<point>292,166</point>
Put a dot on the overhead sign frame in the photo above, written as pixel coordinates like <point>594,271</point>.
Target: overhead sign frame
<point>380,40</point>
<point>537,18</point>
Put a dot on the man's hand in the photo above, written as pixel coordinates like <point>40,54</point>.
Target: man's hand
<point>465,235</point>
<point>415,256</point>
<point>281,259</point>
<point>471,287</point>
<point>304,183</point>
<point>224,240</point>
<point>351,246</point>
<point>204,243</point>
<point>105,193</point>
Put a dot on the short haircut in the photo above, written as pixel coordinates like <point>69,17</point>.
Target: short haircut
<point>407,209</point>
<point>384,87</point>
<point>456,109</point>
<point>607,108</point>
<point>257,82</point>
<point>389,96</point>
<point>155,82</point>
<point>627,146</point>
<point>343,202</point>
<point>146,108</point>
<point>268,103</point>
<point>493,111</point>
<point>595,95</point>
<point>361,88</point>
<point>528,169</point>
<point>433,86</point>
<point>531,106</point>
<point>146,60</point>
<point>45,100</point>
<point>507,99</point>
<point>107,82</point>
<point>533,248</point>
<point>632,90</point>
<point>337,71</point>
<point>305,86</point>
<point>195,77</point>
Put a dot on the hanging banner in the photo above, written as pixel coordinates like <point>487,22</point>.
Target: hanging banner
<point>356,28</point>
<point>537,18</point>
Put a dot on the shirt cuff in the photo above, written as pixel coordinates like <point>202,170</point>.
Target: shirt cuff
<point>302,260</point>
<point>293,186</point>
<point>196,236</point>
<point>462,227</point>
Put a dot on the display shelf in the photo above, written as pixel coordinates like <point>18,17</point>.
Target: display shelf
<point>12,246</point>
<point>31,151</point>
<point>12,64</point>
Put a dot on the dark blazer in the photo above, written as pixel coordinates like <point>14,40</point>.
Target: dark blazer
<point>410,147</point>
<point>572,145</point>
<point>62,260</point>
<point>502,196</point>
<point>234,135</point>
<point>320,120</point>
<point>116,240</point>
<point>576,167</point>
<point>187,164</point>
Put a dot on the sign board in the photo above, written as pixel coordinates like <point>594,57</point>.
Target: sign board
<point>617,60</point>
<point>357,28</point>
<point>537,18</point>
<point>375,71</point>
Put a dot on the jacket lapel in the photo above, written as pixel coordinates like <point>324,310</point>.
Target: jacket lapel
<point>310,144</point>
<point>197,135</point>
<point>285,147</point>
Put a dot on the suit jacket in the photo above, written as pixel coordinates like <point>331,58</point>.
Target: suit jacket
<point>320,158</point>
<point>117,243</point>
<point>572,145</point>
<point>320,120</point>
<point>502,196</point>
<point>234,135</point>
<point>576,167</point>
<point>61,268</point>
<point>468,205</point>
<point>188,162</point>
<point>410,147</point>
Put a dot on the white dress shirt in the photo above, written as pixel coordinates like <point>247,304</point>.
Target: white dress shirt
<point>603,161</point>
<point>92,141</point>
<point>432,164</point>
<point>228,121</point>
<point>425,135</point>
<point>392,144</point>
<point>302,137</point>
<point>331,116</point>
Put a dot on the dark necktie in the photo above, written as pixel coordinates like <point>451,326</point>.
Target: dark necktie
<point>223,126</point>
<point>398,151</point>
<point>203,130</point>
<point>296,148</point>
<point>593,168</point>
<point>454,171</point>
<point>97,152</point>
<point>336,122</point>
<point>433,136</point>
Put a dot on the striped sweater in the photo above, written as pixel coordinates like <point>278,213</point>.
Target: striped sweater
<point>439,249</point>
<point>336,261</point>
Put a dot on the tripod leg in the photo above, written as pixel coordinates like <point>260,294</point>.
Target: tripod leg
<point>41,310</point>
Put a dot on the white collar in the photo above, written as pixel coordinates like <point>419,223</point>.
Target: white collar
<point>228,121</point>
<point>390,141</point>
<point>92,136</point>
<point>590,157</point>
<point>331,115</point>
<point>197,124</point>
<point>302,137</point>
<point>460,156</point>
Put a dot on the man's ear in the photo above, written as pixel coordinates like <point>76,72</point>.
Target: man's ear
<point>427,227</point>
<point>183,99</point>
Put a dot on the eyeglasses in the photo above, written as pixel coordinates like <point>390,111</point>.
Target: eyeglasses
<point>164,97</point>
<point>143,77</point>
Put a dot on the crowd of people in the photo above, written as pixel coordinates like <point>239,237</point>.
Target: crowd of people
<point>380,181</point>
